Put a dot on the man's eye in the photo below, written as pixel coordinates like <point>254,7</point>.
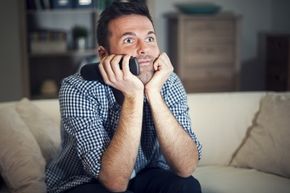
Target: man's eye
<point>128,41</point>
<point>150,39</point>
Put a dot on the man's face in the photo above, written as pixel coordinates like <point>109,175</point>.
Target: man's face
<point>134,35</point>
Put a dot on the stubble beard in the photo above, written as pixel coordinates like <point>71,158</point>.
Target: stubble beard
<point>146,74</point>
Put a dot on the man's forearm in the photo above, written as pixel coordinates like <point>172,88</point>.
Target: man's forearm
<point>178,148</point>
<point>119,158</point>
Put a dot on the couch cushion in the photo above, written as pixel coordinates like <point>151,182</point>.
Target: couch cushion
<point>21,163</point>
<point>49,107</point>
<point>222,179</point>
<point>220,121</point>
<point>266,146</point>
<point>45,130</point>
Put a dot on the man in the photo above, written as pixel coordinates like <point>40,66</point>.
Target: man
<point>145,145</point>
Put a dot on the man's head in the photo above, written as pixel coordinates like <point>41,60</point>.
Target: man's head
<point>127,28</point>
<point>114,11</point>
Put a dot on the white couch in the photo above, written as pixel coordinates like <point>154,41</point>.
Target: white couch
<point>221,122</point>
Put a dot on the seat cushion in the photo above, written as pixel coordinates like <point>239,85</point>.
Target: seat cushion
<point>223,179</point>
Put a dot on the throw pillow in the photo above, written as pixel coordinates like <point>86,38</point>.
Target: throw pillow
<point>21,163</point>
<point>45,130</point>
<point>266,148</point>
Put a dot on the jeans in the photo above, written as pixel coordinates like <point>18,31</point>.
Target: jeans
<point>152,180</point>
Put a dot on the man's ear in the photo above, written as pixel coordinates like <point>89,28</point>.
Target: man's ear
<point>102,52</point>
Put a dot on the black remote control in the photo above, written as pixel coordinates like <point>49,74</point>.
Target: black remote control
<point>91,72</point>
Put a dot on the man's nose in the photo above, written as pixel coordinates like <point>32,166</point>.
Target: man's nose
<point>142,48</point>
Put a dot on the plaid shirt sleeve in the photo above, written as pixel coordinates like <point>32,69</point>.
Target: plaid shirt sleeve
<point>81,119</point>
<point>176,99</point>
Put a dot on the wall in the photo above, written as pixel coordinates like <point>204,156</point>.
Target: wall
<point>10,52</point>
<point>281,15</point>
<point>257,16</point>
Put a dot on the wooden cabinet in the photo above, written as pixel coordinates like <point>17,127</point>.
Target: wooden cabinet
<point>205,51</point>
<point>51,49</point>
<point>277,62</point>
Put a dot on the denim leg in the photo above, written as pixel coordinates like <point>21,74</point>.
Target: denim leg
<point>92,187</point>
<point>162,181</point>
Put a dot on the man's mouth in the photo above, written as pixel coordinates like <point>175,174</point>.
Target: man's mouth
<point>144,62</point>
<point>147,60</point>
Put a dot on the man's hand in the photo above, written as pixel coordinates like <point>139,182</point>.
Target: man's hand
<point>163,68</point>
<point>122,80</point>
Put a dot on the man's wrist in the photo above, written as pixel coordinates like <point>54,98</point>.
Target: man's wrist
<point>153,97</point>
<point>136,97</point>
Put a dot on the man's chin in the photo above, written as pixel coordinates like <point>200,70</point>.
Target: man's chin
<point>145,77</point>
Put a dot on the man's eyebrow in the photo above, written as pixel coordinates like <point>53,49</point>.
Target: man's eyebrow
<point>151,32</point>
<point>128,33</point>
<point>134,34</point>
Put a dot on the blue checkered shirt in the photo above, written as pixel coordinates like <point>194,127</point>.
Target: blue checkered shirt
<point>89,117</point>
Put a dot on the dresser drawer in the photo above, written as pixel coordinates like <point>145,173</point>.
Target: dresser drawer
<point>196,39</point>
<point>209,79</point>
<point>208,28</point>
<point>195,73</point>
<point>209,85</point>
<point>208,33</point>
<point>199,55</point>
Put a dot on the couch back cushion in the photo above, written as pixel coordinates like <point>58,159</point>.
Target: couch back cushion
<point>45,129</point>
<point>220,121</point>
<point>29,138</point>
<point>266,146</point>
<point>50,107</point>
<point>21,162</point>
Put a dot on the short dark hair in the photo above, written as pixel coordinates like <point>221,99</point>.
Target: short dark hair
<point>116,10</point>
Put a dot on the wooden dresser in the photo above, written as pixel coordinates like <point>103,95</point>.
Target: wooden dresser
<point>277,62</point>
<point>205,51</point>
